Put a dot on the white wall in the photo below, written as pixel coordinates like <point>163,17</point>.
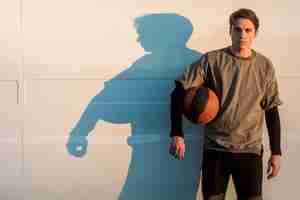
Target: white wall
<point>61,59</point>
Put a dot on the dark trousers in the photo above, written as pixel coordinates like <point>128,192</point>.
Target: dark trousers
<point>245,168</point>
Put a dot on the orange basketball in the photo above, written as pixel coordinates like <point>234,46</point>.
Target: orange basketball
<point>201,105</point>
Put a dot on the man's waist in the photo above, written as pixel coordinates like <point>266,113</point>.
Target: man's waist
<point>235,139</point>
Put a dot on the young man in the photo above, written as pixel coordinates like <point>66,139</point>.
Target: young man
<point>245,83</point>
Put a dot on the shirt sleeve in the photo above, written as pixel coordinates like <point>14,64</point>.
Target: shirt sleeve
<point>274,130</point>
<point>177,111</point>
<point>195,74</point>
<point>271,98</point>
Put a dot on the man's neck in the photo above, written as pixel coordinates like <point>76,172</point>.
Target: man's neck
<point>242,53</point>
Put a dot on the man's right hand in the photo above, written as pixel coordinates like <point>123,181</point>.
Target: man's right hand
<point>177,147</point>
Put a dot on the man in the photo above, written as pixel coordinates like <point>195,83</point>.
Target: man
<point>245,83</point>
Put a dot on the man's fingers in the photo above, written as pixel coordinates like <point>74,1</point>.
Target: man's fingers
<point>181,153</point>
<point>177,147</point>
<point>177,151</point>
<point>270,173</point>
<point>269,168</point>
<point>171,149</point>
<point>274,166</point>
<point>274,171</point>
<point>181,150</point>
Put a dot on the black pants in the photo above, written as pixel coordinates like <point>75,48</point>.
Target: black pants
<point>246,171</point>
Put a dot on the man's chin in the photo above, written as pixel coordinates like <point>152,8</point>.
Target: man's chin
<point>244,47</point>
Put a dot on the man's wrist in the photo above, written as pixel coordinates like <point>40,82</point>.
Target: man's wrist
<point>177,133</point>
<point>178,139</point>
<point>276,154</point>
<point>276,151</point>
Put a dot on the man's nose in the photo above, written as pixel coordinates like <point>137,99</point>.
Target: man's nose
<point>243,34</point>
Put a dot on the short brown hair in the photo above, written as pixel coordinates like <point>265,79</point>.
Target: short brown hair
<point>244,13</point>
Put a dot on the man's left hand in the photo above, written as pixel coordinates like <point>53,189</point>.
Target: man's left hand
<point>274,166</point>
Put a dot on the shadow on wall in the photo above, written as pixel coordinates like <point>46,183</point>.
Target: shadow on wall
<point>140,95</point>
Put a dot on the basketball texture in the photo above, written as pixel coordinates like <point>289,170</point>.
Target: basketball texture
<point>201,105</point>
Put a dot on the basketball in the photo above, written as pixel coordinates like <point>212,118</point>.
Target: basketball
<point>201,105</point>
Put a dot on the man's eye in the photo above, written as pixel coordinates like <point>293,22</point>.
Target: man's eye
<point>237,29</point>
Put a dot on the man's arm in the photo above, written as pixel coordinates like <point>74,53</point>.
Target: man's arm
<point>274,131</point>
<point>193,76</point>
<point>177,146</point>
<point>177,98</point>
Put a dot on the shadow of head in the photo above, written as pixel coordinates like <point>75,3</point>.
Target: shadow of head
<point>163,31</point>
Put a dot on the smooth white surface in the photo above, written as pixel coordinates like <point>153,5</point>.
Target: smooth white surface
<point>57,56</point>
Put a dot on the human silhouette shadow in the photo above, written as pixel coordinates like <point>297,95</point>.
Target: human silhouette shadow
<point>140,95</point>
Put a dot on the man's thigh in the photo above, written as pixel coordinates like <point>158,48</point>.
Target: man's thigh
<point>247,174</point>
<point>215,175</point>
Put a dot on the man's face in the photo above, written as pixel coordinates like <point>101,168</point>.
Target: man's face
<point>242,34</point>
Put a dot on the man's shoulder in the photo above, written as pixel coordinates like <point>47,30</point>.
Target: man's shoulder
<point>262,57</point>
<point>265,63</point>
<point>215,54</point>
